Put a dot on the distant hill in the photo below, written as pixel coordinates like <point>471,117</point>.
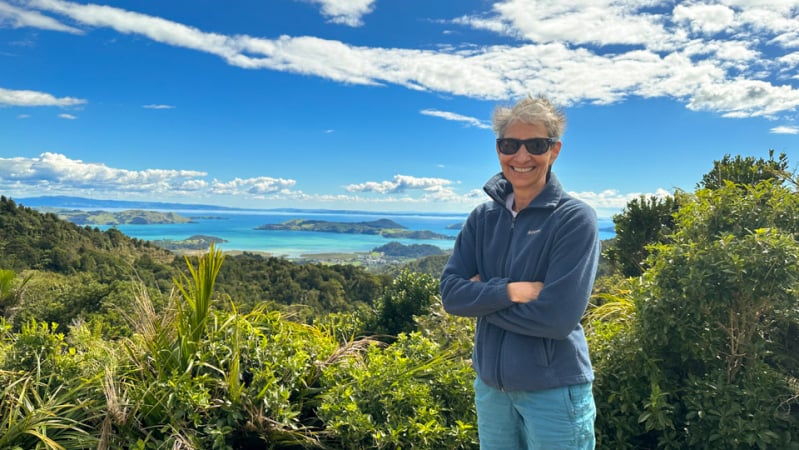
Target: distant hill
<point>30,239</point>
<point>382,227</point>
<point>60,201</point>
<point>198,242</point>
<point>397,249</point>
<point>128,216</point>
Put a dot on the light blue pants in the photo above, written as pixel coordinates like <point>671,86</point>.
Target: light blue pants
<point>554,419</point>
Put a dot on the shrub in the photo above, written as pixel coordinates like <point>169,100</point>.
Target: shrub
<point>408,395</point>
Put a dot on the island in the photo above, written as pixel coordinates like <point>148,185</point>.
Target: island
<point>381,227</point>
<point>396,249</point>
<point>127,217</point>
<point>193,243</point>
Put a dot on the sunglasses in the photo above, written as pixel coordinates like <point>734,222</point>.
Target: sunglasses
<point>535,146</point>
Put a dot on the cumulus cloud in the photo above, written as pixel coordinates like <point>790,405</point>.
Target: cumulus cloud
<point>704,19</point>
<point>54,170</point>
<point>785,130</point>
<point>254,186</point>
<point>345,12</point>
<point>471,121</point>
<point>400,183</point>
<point>611,201</point>
<point>34,98</point>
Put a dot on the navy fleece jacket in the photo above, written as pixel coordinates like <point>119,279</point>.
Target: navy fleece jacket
<point>555,240</point>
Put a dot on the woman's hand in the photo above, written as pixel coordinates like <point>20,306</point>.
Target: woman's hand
<point>520,291</point>
<point>524,291</point>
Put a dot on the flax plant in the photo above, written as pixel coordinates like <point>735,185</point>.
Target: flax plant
<point>197,290</point>
<point>37,412</point>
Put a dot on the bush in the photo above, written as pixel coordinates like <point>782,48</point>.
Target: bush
<point>408,395</point>
<point>699,360</point>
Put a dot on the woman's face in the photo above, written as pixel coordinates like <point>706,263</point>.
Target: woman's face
<point>525,171</point>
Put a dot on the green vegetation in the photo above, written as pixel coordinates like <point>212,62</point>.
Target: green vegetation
<point>110,342</point>
<point>382,227</point>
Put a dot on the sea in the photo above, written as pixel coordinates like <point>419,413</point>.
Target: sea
<point>238,229</point>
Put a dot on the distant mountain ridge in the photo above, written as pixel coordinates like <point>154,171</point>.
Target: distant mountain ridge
<point>64,201</point>
<point>382,227</point>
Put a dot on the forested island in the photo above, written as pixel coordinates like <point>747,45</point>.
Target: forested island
<point>192,243</point>
<point>130,216</point>
<point>382,227</point>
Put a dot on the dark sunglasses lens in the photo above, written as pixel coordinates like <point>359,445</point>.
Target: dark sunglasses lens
<point>509,146</point>
<point>537,146</point>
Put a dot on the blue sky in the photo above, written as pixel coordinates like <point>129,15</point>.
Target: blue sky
<point>383,105</point>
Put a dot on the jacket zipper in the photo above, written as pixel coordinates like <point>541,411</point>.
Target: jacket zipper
<point>504,333</point>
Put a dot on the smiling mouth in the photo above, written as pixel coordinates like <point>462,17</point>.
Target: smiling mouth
<point>522,169</point>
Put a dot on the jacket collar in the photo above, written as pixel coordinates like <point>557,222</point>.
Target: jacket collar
<point>498,188</point>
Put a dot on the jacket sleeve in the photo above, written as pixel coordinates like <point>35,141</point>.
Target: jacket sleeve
<point>461,296</point>
<point>568,283</point>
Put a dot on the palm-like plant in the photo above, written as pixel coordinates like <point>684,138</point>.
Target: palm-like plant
<point>197,290</point>
<point>37,412</point>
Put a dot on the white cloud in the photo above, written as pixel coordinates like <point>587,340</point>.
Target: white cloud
<point>456,117</point>
<point>345,12</point>
<point>400,184</point>
<point>715,56</point>
<point>18,18</point>
<point>610,201</point>
<point>54,171</point>
<point>602,22</point>
<point>23,116</point>
<point>35,98</point>
<point>785,130</point>
<point>253,186</point>
<point>67,116</point>
<point>745,98</point>
<point>158,107</point>
<point>704,19</point>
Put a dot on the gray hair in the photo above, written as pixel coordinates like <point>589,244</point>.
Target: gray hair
<point>531,110</point>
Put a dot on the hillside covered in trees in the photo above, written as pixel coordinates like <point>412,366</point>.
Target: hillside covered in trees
<point>110,342</point>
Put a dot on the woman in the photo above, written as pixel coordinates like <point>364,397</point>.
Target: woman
<point>524,265</point>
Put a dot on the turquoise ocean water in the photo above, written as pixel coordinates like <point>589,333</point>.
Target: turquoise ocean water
<point>238,228</point>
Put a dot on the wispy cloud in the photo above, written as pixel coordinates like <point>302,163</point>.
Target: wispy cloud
<point>785,130</point>
<point>23,116</point>
<point>345,12</point>
<point>18,18</point>
<point>158,107</point>
<point>712,57</point>
<point>67,116</point>
<point>35,98</point>
<point>471,121</point>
